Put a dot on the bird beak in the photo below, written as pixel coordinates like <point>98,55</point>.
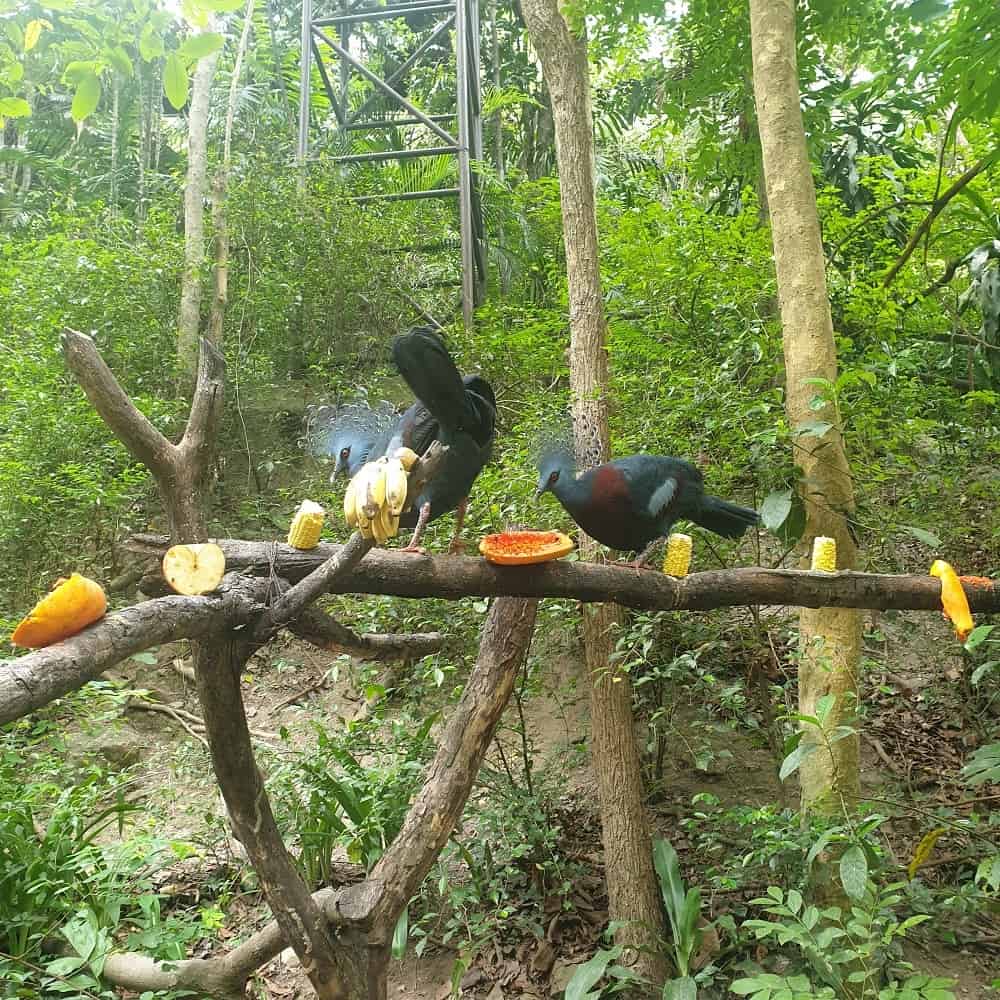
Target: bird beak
<point>540,489</point>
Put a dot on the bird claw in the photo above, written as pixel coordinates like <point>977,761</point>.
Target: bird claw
<point>417,550</point>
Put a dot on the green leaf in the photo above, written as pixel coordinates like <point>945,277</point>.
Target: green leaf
<point>794,760</point>
<point>927,537</point>
<point>824,706</point>
<point>775,509</point>
<point>78,70</point>
<point>978,636</point>
<point>854,872</point>
<point>927,10</point>
<point>588,974</point>
<point>784,515</point>
<point>150,43</point>
<point>175,81</point>
<point>81,933</point>
<point>220,6</point>
<point>200,45</point>
<point>684,988</point>
<point>121,60</point>
<point>14,107</point>
<point>400,934</point>
<point>815,427</point>
<point>86,98</point>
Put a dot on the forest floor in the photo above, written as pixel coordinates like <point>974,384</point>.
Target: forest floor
<point>915,739</point>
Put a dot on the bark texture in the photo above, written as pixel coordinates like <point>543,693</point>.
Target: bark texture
<point>830,638</point>
<point>195,191</point>
<point>632,886</point>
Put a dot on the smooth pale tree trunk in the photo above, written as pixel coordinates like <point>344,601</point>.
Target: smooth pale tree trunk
<point>632,887</point>
<point>830,638</point>
<point>195,192</point>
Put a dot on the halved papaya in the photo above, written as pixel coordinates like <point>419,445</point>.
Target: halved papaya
<point>69,608</point>
<point>521,548</point>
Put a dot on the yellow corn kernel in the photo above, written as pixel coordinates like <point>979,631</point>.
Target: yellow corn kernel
<point>824,555</point>
<point>307,525</point>
<point>678,558</point>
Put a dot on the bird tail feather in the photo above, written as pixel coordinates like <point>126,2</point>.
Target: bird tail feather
<point>428,369</point>
<point>724,518</point>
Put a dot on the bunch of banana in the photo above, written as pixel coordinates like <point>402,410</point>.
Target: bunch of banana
<point>376,496</point>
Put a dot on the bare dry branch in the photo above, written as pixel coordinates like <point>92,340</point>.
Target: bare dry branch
<point>326,632</point>
<point>113,405</point>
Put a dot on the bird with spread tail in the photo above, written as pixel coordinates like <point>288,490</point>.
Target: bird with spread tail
<point>460,412</point>
<point>631,504</point>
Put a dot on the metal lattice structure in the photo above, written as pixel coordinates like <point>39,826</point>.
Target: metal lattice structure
<point>337,39</point>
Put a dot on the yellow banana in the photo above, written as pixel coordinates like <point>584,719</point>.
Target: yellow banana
<point>395,486</point>
<point>366,531</point>
<point>388,523</point>
<point>407,456</point>
<point>351,505</point>
<point>361,491</point>
<point>376,482</point>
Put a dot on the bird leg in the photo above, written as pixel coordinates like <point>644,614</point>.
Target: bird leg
<point>642,558</point>
<point>418,531</point>
<point>457,546</point>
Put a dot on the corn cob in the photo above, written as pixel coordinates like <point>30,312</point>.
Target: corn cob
<point>824,557</point>
<point>307,525</point>
<point>677,561</point>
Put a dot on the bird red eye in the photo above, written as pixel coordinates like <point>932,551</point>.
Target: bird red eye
<point>554,476</point>
<point>345,453</point>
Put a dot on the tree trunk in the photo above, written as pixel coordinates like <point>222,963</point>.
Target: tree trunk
<point>195,190</point>
<point>830,638</point>
<point>632,886</point>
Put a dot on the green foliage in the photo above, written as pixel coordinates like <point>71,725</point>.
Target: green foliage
<point>849,952</point>
<point>328,799</point>
<point>683,912</point>
<point>56,879</point>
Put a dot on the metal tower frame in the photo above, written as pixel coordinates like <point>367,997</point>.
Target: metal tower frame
<point>466,143</point>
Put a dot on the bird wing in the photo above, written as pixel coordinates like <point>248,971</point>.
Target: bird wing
<point>416,429</point>
<point>661,497</point>
<point>428,369</point>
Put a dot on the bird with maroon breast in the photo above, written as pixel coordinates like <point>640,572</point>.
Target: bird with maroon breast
<point>631,504</point>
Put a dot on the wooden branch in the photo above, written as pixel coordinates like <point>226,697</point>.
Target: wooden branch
<point>400,574</point>
<point>940,203</point>
<point>113,405</point>
<point>293,602</point>
<point>31,681</point>
<point>206,406</point>
<point>218,665</point>
<point>225,976</point>
<point>179,470</point>
<point>397,876</point>
<point>324,631</point>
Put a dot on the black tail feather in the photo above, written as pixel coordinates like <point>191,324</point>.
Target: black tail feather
<point>724,518</point>
<point>427,367</point>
